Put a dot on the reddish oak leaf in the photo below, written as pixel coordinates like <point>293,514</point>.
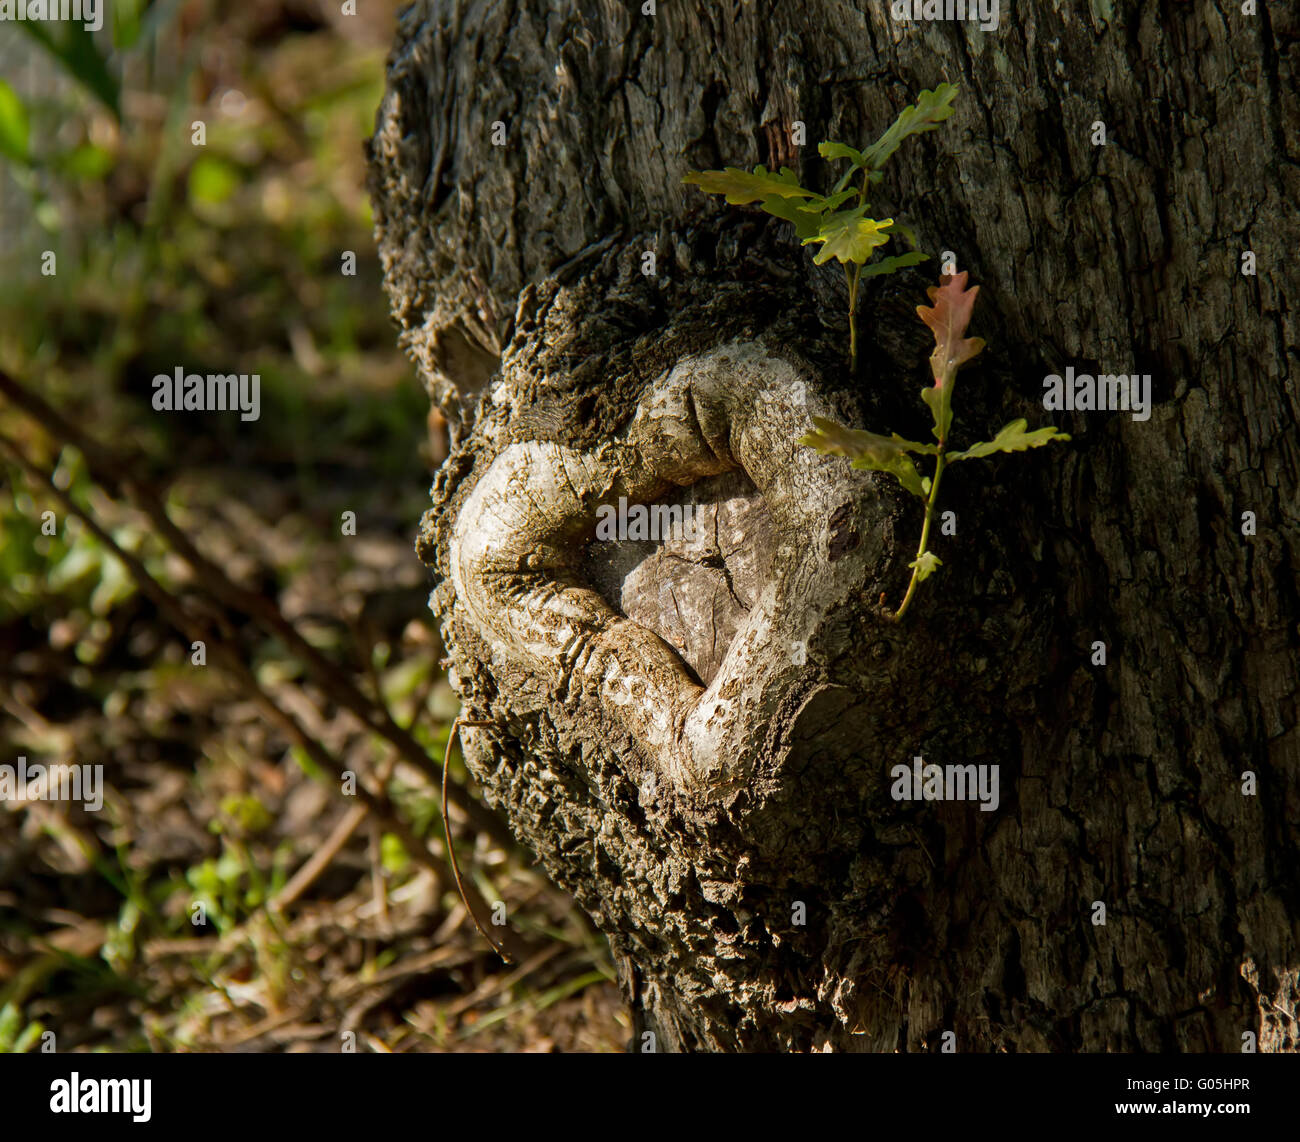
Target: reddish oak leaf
<point>947,316</point>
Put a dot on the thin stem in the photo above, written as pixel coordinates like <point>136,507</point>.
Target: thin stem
<point>852,279</point>
<point>853,315</point>
<point>925,534</point>
<point>853,326</point>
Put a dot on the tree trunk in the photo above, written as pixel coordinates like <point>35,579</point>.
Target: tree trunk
<point>698,736</point>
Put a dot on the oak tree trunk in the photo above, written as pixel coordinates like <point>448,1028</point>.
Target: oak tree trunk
<point>697,736</point>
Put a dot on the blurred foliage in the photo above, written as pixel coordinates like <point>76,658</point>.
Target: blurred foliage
<point>146,252</point>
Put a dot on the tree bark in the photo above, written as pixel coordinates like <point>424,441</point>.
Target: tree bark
<point>697,736</point>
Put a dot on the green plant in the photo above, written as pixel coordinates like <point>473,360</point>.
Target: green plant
<point>73,46</point>
<point>844,231</point>
<point>948,316</point>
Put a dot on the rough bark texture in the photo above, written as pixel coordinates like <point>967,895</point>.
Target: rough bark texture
<point>697,739</point>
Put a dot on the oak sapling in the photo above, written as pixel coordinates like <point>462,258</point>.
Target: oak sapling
<point>948,315</point>
<point>842,228</point>
<point>846,233</point>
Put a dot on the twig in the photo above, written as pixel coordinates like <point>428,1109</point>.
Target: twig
<point>319,860</point>
<point>451,848</point>
<point>496,984</point>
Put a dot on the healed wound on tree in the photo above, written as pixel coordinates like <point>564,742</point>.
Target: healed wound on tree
<point>515,563</point>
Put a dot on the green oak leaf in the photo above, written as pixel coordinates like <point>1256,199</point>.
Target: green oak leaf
<point>742,187</point>
<point>894,262</point>
<point>806,223</point>
<point>930,109</point>
<point>842,151</point>
<point>849,236</point>
<point>1012,438</point>
<point>830,202</point>
<point>939,400</point>
<point>870,450</point>
<point>908,233</point>
<point>925,565</point>
<point>843,181</point>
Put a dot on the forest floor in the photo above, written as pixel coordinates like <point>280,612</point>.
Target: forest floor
<point>230,894</point>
